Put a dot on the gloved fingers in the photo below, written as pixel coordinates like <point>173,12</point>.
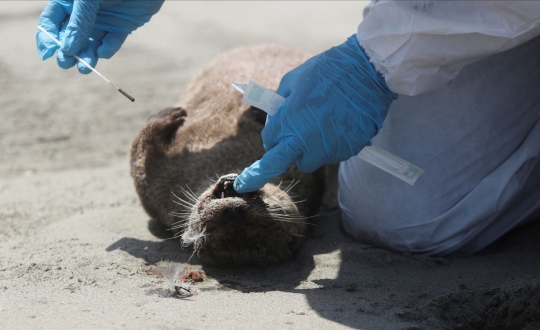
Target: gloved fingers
<point>286,83</point>
<point>273,127</point>
<point>309,163</point>
<point>273,163</point>
<point>267,135</point>
<point>80,26</point>
<point>51,20</point>
<point>46,47</point>
<point>141,11</point>
<point>89,52</point>
<point>126,16</point>
<point>111,44</point>
<point>291,77</point>
<point>64,61</point>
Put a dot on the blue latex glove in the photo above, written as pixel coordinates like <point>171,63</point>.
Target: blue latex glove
<point>90,29</point>
<point>335,103</point>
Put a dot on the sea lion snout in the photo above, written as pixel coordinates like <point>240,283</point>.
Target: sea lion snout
<point>234,215</point>
<point>220,204</point>
<point>234,209</point>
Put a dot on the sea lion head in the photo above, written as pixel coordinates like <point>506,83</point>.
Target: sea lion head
<point>261,228</point>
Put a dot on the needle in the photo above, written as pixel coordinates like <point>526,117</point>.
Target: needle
<point>88,65</point>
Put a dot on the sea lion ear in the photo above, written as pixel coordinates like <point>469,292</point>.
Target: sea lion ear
<point>255,114</point>
<point>164,124</point>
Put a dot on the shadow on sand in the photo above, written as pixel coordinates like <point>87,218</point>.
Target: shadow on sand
<point>496,289</point>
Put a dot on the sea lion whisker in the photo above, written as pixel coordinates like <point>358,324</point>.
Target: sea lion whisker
<point>298,235</point>
<point>189,196</point>
<point>179,226</point>
<point>183,218</point>
<point>282,214</point>
<point>211,180</point>
<point>287,216</point>
<point>192,193</point>
<point>291,186</point>
<point>182,227</point>
<point>276,207</point>
<point>290,216</point>
<point>288,221</point>
<point>285,192</point>
<point>298,222</point>
<point>296,216</point>
<point>193,221</point>
<point>183,199</point>
<point>178,197</point>
<point>294,219</point>
<point>175,236</point>
<point>180,221</point>
<point>184,203</point>
<point>180,213</point>
<point>279,187</point>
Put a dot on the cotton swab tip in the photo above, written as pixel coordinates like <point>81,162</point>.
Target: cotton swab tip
<point>131,98</point>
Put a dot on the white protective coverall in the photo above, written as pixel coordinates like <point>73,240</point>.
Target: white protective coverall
<point>468,75</point>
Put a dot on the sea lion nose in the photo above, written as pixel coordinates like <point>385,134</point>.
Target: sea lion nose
<point>234,215</point>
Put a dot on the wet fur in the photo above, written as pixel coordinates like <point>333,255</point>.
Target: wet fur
<point>184,161</point>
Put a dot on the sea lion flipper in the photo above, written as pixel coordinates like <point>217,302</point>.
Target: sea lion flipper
<point>161,127</point>
<point>148,151</point>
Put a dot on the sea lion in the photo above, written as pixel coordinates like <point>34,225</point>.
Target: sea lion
<point>185,159</point>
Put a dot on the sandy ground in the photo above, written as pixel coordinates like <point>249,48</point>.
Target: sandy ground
<point>78,251</point>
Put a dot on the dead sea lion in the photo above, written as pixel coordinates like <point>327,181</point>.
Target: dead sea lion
<point>186,158</point>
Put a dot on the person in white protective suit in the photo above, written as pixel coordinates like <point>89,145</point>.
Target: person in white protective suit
<point>468,78</point>
<point>468,75</point>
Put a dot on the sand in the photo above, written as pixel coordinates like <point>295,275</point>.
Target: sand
<point>78,251</point>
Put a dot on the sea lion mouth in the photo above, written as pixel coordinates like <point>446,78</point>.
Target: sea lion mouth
<point>234,211</point>
<point>224,188</point>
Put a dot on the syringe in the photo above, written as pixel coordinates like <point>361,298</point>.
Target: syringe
<point>270,102</point>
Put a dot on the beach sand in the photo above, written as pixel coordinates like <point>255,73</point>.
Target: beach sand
<point>78,251</point>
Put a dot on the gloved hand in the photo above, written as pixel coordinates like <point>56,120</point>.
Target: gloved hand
<point>90,29</point>
<point>335,103</point>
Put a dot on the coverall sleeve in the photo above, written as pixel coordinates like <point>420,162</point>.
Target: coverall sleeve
<point>419,46</point>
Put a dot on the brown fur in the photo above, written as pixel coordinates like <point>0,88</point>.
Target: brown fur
<point>210,134</point>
